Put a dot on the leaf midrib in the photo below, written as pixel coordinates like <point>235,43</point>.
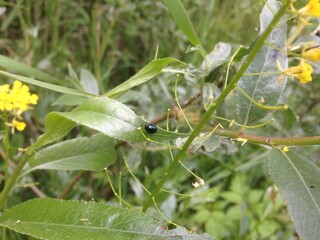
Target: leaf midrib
<point>302,180</point>
<point>256,85</point>
<point>80,227</point>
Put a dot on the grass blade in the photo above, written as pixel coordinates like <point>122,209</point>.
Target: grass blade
<point>24,69</point>
<point>45,85</point>
<point>183,21</point>
<point>145,74</point>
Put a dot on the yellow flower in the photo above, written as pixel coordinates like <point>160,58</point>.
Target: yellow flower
<point>33,99</point>
<point>20,126</point>
<point>4,88</point>
<point>285,149</point>
<point>302,71</point>
<point>312,9</point>
<point>312,53</point>
<point>16,101</point>
<point>5,103</point>
<point>20,97</point>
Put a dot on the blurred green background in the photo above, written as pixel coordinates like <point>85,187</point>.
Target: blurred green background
<point>118,36</point>
<point>113,40</point>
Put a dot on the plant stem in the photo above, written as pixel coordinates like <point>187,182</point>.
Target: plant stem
<point>12,180</point>
<point>219,100</point>
<point>6,142</point>
<point>271,141</point>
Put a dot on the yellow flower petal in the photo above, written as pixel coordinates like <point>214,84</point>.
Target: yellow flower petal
<point>302,72</point>
<point>34,99</point>
<point>4,88</point>
<point>20,126</point>
<point>8,106</point>
<point>17,84</point>
<point>312,9</point>
<point>2,106</point>
<point>312,54</point>
<point>285,149</point>
<point>17,99</point>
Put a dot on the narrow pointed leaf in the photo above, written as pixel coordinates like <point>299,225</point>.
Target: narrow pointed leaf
<point>57,219</point>
<point>45,85</point>
<point>145,74</point>
<point>264,87</point>
<point>89,82</point>
<point>23,69</point>
<point>87,153</point>
<point>299,182</point>
<point>182,20</point>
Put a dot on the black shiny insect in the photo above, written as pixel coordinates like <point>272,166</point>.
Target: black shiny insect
<point>150,128</point>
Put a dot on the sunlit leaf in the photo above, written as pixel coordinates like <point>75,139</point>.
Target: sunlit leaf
<point>104,115</point>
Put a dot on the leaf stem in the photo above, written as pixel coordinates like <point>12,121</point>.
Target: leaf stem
<point>219,100</point>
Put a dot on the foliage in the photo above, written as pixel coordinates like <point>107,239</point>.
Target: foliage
<point>76,220</point>
<point>236,147</point>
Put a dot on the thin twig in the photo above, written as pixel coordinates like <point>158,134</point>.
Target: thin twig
<point>184,104</point>
<point>37,191</point>
<point>71,185</point>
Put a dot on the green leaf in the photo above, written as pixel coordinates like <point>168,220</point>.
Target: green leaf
<point>56,128</point>
<point>57,219</point>
<point>69,100</point>
<point>45,85</point>
<point>265,86</point>
<point>24,69</point>
<point>217,57</point>
<point>242,168</point>
<point>93,154</point>
<point>216,225</point>
<point>232,197</point>
<point>105,115</point>
<point>145,74</point>
<point>206,142</point>
<point>290,118</point>
<point>181,18</point>
<point>299,182</point>
<point>72,73</point>
<point>89,82</point>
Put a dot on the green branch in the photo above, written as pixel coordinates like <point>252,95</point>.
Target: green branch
<point>13,178</point>
<point>271,141</point>
<point>219,101</point>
